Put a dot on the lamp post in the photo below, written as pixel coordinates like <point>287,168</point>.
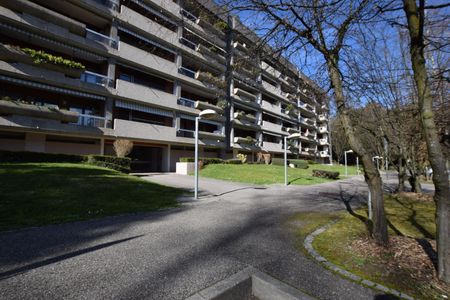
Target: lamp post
<point>204,114</point>
<point>345,159</point>
<point>294,135</point>
<point>378,161</point>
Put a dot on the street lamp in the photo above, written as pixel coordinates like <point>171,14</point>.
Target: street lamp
<point>204,114</point>
<point>378,161</point>
<point>292,136</point>
<point>345,159</point>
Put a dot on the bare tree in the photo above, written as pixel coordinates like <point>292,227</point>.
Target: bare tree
<point>122,147</point>
<point>324,27</point>
<point>415,15</point>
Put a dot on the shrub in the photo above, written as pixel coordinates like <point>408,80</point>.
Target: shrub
<point>233,161</point>
<point>278,161</point>
<point>44,57</point>
<point>121,164</point>
<point>312,162</point>
<point>122,147</point>
<point>325,174</point>
<point>242,157</point>
<point>299,163</point>
<point>38,157</point>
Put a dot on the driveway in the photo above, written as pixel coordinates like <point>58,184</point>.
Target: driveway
<point>174,253</point>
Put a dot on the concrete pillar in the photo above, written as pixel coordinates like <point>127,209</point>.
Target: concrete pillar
<point>102,146</point>
<point>166,159</point>
<point>35,142</point>
<point>169,153</point>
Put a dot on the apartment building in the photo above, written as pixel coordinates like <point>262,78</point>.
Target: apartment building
<point>88,72</point>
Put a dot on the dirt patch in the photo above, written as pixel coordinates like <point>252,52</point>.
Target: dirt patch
<point>412,259</point>
<point>416,196</point>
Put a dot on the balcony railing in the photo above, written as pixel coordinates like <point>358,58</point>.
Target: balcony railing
<point>98,79</point>
<point>186,133</point>
<point>187,72</point>
<point>91,121</point>
<point>188,15</point>
<point>188,43</point>
<point>114,5</point>
<point>104,39</point>
<point>186,102</point>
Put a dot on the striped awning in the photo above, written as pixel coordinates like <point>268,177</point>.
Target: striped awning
<point>48,87</point>
<point>137,35</point>
<point>143,108</point>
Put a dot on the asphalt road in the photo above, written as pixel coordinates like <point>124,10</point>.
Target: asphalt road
<point>174,253</point>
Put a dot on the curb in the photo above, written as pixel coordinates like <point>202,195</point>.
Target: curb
<point>307,243</point>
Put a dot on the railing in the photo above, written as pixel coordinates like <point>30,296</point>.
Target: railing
<point>104,39</point>
<point>188,43</point>
<point>188,15</point>
<point>186,102</point>
<point>114,5</point>
<point>91,121</point>
<point>187,72</point>
<point>94,78</point>
<point>186,133</point>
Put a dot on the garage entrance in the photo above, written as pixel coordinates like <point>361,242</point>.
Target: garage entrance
<point>146,159</point>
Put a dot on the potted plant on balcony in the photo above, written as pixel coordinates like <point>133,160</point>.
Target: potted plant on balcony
<point>46,60</point>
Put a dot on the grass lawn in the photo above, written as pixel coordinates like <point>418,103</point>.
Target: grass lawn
<point>404,266</point>
<point>269,174</point>
<point>34,194</point>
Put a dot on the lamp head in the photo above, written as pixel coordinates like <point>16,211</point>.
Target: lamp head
<point>295,135</point>
<point>208,114</point>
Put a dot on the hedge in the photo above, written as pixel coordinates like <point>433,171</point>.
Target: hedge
<point>298,163</point>
<point>325,174</point>
<point>121,164</point>
<point>205,160</point>
<point>233,161</point>
<point>38,157</point>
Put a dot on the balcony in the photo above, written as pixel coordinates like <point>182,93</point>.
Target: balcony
<point>323,129</point>
<point>186,102</point>
<point>275,74</point>
<point>187,72</point>
<point>188,43</point>
<point>269,126</point>
<point>101,38</point>
<point>273,108</point>
<point>244,95</point>
<point>187,133</point>
<point>323,118</point>
<point>307,108</point>
<point>213,139</point>
<point>146,25</point>
<point>323,142</point>
<point>205,105</point>
<point>272,147</point>
<point>211,54</point>
<point>150,61</point>
<point>246,124</point>
<point>111,4</point>
<point>188,15</point>
<point>246,141</point>
<point>216,135</point>
<point>138,130</point>
<point>145,94</point>
<point>92,121</point>
<point>98,79</point>
<point>324,154</point>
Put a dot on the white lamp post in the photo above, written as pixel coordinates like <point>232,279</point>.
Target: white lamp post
<point>204,114</point>
<point>345,159</point>
<point>292,136</point>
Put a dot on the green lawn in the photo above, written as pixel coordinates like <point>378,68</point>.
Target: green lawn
<point>340,244</point>
<point>269,174</point>
<point>34,194</point>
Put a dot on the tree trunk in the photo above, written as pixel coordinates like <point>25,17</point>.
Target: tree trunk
<point>415,17</point>
<point>401,175</point>
<point>371,174</point>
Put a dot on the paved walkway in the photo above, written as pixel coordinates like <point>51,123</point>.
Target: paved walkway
<point>174,253</point>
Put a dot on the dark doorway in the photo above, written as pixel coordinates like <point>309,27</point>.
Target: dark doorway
<point>146,159</point>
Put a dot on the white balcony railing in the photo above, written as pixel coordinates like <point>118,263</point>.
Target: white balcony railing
<point>95,78</point>
<point>91,121</point>
<point>104,39</point>
<point>186,102</point>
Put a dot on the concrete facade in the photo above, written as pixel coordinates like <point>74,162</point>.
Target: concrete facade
<point>150,66</point>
